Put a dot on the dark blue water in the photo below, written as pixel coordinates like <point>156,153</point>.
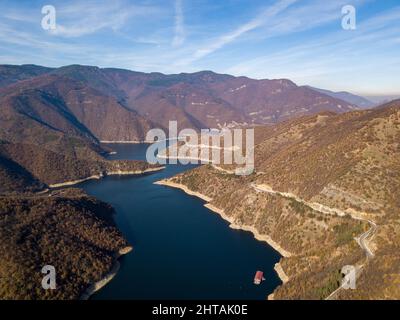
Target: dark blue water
<point>182,250</point>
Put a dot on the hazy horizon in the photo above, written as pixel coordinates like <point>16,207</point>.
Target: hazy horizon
<point>373,98</point>
<point>303,41</point>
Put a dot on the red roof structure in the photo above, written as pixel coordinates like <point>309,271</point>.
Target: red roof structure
<point>259,277</point>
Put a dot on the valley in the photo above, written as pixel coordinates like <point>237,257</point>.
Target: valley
<point>322,219</point>
<point>323,193</point>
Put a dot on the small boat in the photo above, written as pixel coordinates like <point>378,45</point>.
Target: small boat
<point>259,277</point>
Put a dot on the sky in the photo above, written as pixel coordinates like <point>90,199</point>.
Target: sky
<point>302,40</point>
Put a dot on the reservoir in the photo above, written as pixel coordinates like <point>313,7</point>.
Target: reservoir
<point>181,250</point>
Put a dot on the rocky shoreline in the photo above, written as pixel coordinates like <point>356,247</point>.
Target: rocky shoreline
<point>261,237</point>
<point>93,288</point>
<point>183,188</point>
<point>102,175</point>
<point>282,275</point>
<point>253,230</point>
<point>125,142</point>
<point>108,277</point>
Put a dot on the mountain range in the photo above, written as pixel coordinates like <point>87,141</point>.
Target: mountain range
<point>325,195</point>
<point>316,152</point>
<point>49,138</point>
<point>121,105</point>
<point>362,102</point>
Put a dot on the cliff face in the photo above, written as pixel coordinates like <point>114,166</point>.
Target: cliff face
<point>320,182</point>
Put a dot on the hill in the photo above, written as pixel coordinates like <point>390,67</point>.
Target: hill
<point>206,99</point>
<point>10,73</point>
<point>15,178</point>
<point>52,106</point>
<point>320,182</point>
<point>199,100</point>
<point>362,102</point>
<point>66,229</point>
<point>50,128</point>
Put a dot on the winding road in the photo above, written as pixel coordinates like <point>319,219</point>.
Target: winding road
<point>362,240</point>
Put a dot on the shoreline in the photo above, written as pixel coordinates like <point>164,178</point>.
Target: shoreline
<point>198,160</point>
<point>183,188</point>
<point>102,175</point>
<point>125,142</point>
<point>96,286</point>
<point>263,238</point>
<point>251,229</point>
<point>281,273</point>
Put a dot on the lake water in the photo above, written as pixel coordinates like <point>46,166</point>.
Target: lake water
<point>182,250</point>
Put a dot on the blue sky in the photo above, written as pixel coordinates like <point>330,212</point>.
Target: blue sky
<point>297,39</point>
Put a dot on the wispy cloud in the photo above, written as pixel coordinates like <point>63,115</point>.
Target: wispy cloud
<point>255,23</point>
<point>179,37</point>
<point>379,28</point>
<point>340,60</point>
<point>301,40</point>
<point>84,18</point>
